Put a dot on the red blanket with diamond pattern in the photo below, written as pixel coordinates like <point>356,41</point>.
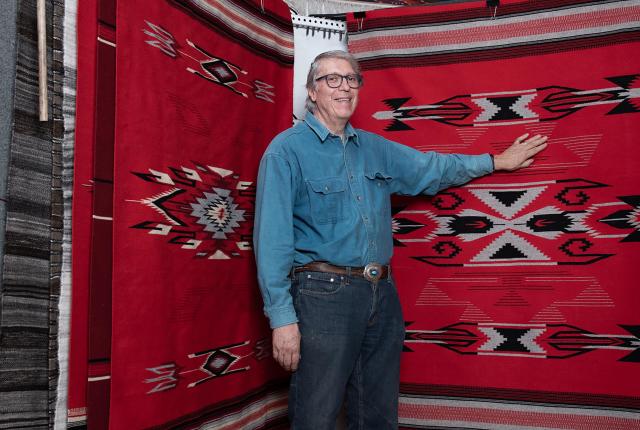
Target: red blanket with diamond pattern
<point>202,87</point>
<point>519,289</point>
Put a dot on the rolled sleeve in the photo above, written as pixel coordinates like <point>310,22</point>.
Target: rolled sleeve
<point>273,239</point>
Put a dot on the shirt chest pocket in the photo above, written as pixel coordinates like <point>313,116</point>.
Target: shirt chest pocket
<point>377,186</point>
<point>378,178</point>
<point>327,200</point>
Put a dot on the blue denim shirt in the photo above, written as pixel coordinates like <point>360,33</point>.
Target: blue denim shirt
<point>321,200</point>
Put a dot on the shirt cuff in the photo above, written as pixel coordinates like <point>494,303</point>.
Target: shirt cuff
<point>280,317</point>
<point>493,163</point>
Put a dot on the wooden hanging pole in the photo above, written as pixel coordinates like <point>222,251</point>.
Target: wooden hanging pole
<point>42,60</point>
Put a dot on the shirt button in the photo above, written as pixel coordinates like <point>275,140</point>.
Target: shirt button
<point>351,177</point>
<point>359,198</point>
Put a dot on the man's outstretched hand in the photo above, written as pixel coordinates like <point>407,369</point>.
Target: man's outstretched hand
<point>521,153</point>
<point>286,346</point>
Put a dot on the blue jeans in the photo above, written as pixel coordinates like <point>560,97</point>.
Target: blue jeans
<point>352,335</point>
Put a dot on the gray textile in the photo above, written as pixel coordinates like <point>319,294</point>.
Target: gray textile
<point>33,241</point>
<point>7,74</point>
<point>69,43</point>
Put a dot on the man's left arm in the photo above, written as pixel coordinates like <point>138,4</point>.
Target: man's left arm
<point>414,172</point>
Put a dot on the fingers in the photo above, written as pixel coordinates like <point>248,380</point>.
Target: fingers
<point>531,152</point>
<point>536,140</point>
<point>290,359</point>
<point>286,346</point>
<point>287,358</point>
<point>532,141</point>
<point>294,359</point>
<point>539,147</point>
<point>533,146</point>
<point>520,154</point>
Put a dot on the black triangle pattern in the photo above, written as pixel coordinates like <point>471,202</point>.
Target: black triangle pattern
<point>624,106</point>
<point>396,103</point>
<point>507,251</point>
<point>631,200</point>
<point>623,81</point>
<point>507,198</point>
<point>397,125</point>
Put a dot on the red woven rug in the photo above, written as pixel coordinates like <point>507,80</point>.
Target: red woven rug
<point>519,289</point>
<point>90,345</point>
<point>81,216</point>
<point>202,87</point>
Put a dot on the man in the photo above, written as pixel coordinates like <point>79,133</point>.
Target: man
<point>323,243</point>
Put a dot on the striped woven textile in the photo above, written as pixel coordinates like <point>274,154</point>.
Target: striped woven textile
<point>66,32</point>
<point>29,366</point>
<point>518,289</point>
<point>8,15</point>
<point>262,408</point>
<point>466,33</point>
<point>265,34</point>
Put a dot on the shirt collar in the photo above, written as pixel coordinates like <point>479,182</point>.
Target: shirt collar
<point>323,132</point>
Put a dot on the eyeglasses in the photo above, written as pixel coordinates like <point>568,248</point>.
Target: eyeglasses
<point>334,80</point>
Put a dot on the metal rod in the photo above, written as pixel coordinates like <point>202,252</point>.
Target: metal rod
<point>42,60</point>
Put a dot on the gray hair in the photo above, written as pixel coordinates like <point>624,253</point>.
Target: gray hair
<point>309,104</point>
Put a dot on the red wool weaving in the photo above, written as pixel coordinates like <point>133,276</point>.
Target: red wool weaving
<point>519,289</point>
<point>202,87</point>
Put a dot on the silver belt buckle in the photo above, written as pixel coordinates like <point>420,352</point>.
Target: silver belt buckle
<point>372,272</point>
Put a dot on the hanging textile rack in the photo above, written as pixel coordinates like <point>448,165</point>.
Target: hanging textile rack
<point>327,27</point>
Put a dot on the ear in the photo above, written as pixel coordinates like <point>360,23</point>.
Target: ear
<point>313,95</point>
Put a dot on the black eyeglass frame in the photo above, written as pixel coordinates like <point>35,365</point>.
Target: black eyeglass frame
<point>342,78</point>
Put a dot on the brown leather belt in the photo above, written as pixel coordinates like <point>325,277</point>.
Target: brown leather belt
<point>371,272</point>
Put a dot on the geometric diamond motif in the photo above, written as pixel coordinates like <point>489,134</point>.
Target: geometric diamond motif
<point>218,362</point>
<point>510,247</point>
<point>220,70</point>
<point>508,202</point>
<point>218,213</point>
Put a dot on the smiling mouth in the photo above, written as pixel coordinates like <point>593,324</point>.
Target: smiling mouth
<point>345,99</point>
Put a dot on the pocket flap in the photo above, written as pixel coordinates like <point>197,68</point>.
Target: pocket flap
<point>327,186</point>
<point>378,175</point>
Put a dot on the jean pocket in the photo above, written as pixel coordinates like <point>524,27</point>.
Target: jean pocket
<point>321,284</point>
<point>327,199</point>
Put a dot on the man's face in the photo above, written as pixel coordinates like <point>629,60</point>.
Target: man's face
<point>334,104</point>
